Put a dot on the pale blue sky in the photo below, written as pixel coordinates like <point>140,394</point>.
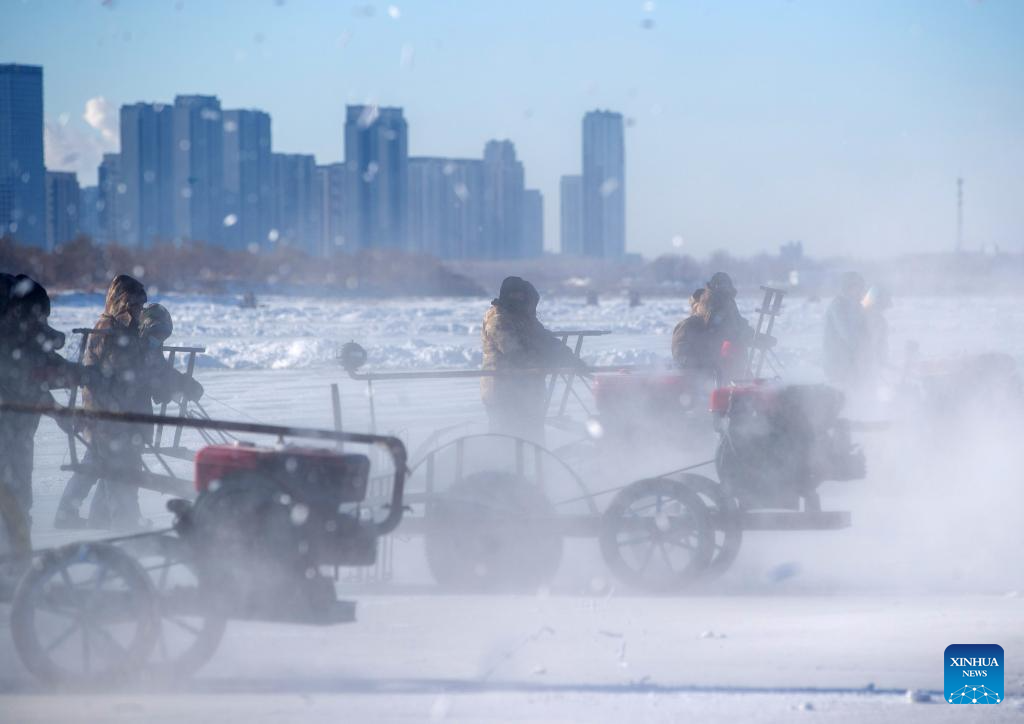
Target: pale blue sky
<point>843,124</point>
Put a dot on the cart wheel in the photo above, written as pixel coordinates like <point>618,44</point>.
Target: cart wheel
<point>84,614</point>
<point>493,530</point>
<point>192,618</point>
<point>724,519</point>
<point>656,535</point>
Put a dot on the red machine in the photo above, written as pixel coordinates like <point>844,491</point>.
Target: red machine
<point>314,469</point>
<point>779,442</point>
<point>255,544</point>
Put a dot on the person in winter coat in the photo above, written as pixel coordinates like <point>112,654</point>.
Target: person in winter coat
<point>876,303</point>
<point>725,324</point>
<point>115,448</point>
<point>165,382</point>
<point>846,341</point>
<point>513,340</point>
<point>698,342</point>
<point>157,381</point>
<point>689,340</point>
<point>29,368</point>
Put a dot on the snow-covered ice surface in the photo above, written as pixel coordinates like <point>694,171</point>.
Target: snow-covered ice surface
<point>829,626</point>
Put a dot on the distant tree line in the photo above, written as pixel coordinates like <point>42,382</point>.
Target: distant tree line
<point>200,267</point>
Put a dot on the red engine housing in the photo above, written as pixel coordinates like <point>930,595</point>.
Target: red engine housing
<point>750,397</point>
<point>346,474</point>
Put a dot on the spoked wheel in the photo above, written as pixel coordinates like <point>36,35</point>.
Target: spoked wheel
<point>84,614</point>
<point>724,519</point>
<point>192,619</point>
<point>656,535</point>
<point>493,530</point>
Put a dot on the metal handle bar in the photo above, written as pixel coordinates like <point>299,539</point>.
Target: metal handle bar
<point>469,374</point>
<point>580,332</point>
<point>394,446</point>
<point>197,350</point>
<point>86,332</point>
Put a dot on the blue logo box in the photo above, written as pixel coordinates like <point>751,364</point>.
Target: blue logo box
<point>974,674</point>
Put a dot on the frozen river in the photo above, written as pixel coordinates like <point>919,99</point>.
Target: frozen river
<point>832,626</point>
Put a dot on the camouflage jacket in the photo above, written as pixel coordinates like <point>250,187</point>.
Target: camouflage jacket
<point>518,342</point>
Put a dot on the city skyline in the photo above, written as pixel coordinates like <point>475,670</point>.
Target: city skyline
<point>842,125</point>
<point>193,170</point>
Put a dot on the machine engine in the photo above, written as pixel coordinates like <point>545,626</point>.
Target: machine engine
<point>778,444</point>
<point>272,516</point>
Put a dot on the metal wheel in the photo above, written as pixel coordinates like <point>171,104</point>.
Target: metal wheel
<point>84,614</point>
<point>724,519</point>
<point>492,530</point>
<point>656,535</point>
<point>192,618</point>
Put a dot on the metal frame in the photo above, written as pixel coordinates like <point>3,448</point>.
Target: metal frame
<point>590,524</point>
<point>392,445</point>
<point>165,482</point>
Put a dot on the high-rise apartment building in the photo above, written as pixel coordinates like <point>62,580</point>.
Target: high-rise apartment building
<point>331,180</point>
<point>446,207</point>
<point>22,173</point>
<point>296,221</point>
<point>533,223</point>
<point>63,204</point>
<point>248,179</point>
<point>604,185</point>
<point>112,191</point>
<point>503,201</point>
<point>198,168</point>
<point>147,172</point>
<point>376,198</point>
<point>89,213</point>
<point>570,191</point>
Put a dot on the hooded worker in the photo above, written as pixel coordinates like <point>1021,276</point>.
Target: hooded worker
<point>845,345</point>
<point>689,339</point>
<point>715,325</point>
<point>115,348</point>
<point>515,340</point>
<point>153,379</point>
<point>165,382</point>
<point>876,303</point>
<point>30,368</point>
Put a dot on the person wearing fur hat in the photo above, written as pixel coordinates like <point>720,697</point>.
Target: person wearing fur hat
<point>845,345</point>
<point>115,448</point>
<point>515,340</point>
<point>715,319</point>
<point>30,368</point>
<point>154,379</point>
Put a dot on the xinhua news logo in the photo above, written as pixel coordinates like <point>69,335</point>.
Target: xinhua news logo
<point>974,674</point>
